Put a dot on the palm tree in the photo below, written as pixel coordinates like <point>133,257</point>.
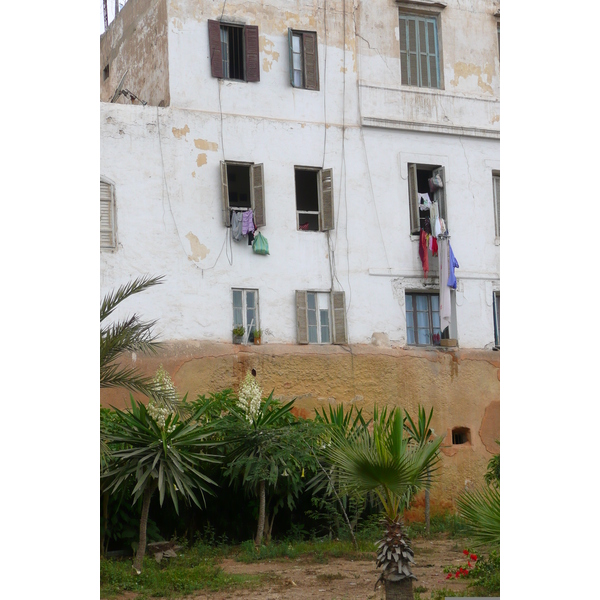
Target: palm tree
<point>385,463</point>
<point>160,450</point>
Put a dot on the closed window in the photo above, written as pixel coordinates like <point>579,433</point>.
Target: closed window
<point>314,199</point>
<point>496,188</point>
<point>419,51</point>
<point>321,317</point>
<point>245,311</point>
<point>423,319</point>
<point>234,51</point>
<point>422,189</point>
<point>242,188</point>
<point>108,233</point>
<point>304,63</point>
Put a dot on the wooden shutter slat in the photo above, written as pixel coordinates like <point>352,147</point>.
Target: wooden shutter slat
<point>252,53</point>
<point>403,51</point>
<point>214,45</point>
<point>413,199</point>
<point>225,195</point>
<point>326,191</point>
<point>301,317</point>
<point>107,216</point>
<point>258,195</point>
<point>311,61</point>
<point>291,53</point>
<point>338,302</point>
<point>440,195</point>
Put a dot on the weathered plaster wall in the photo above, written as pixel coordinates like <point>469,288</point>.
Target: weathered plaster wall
<point>462,386</point>
<point>136,41</point>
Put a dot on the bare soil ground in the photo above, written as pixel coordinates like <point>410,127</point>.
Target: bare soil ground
<point>342,579</point>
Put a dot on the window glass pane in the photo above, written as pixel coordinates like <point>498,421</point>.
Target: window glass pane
<point>323,301</point>
<point>410,335</point>
<point>250,299</point>
<point>423,319</point>
<point>238,318</point>
<point>435,303</point>
<point>251,318</point>
<point>297,62</point>
<point>324,326</point>
<point>297,79</point>
<point>424,336</point>
<point>237,298</point>
<point>312,335</point>
<point>312,318</point>
<point>409,302</point>
<point>310,298</point>
<point>435,317</point>
<point>422,303</point>
<point>296,43</point>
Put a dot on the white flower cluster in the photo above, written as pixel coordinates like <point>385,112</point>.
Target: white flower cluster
<point>159,414</point>
<point>156,409</point>
<point>249,397</point>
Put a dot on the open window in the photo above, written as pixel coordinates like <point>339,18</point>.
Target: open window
<point>108,230</point>
<point>421,190</point>
<point>461,435</point>
<point>234,51</point>
<point>314,199</point>
<point>304,62</point>
<point>245,311</point>
<point>242,188</point>
<point>321,317</point>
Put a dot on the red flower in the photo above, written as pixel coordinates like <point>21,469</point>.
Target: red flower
<point>456,576</point>
<point>466,572</point>
<point>469,563</point>
<point>465,552</point>
<point>449,575</point>
<point>473,556</point>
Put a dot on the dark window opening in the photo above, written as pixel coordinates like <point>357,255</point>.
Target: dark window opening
<point>461,435</point>
<point>232,52</point>
<point>238,178</point>
<point>105,72</point>
<point>307,199</point>
<point>423,177</point>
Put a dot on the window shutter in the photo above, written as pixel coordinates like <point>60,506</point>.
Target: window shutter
<point>338,302</point>
<point>252,53</point>
<point>258,195</point>
<point>291,53</point>
<point>413,72</point>
<point>496,180</point>
<point>107,215</point>
<point>413,199</point>
<point>403,51</point>
<point>225,194</point>
<point>440,195</point>
<point>301,317</point>
<point>311,61</point>
<point>326,190</point>
<point>214,44</point>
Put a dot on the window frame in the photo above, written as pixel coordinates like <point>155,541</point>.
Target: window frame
<point>413,194</point>
<point>257,192</point>
<point>250,50</point>
<point>111,211</point>
<point>415,326</point>
<point>325,210</point>
<point>496,198</point>
<point>336,317</point>
<point>309,70</point>
<point>244,309</point>
<point>405,74</point>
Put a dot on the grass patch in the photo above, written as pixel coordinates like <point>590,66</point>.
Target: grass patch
<point>329,576</point>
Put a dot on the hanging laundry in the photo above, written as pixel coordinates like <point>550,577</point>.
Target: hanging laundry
<point>424,201</point>
<point>453,264</point>
<point>442,226</point>
<point>250,238</point>
<point>247,222</point>
<point>445,310</point>
<point>236,225</point>
<point>427,225</point>
<point>434,247</point>
<point>434,218</point>
<point>423,254</point>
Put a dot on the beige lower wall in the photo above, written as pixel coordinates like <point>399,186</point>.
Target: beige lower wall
<point>463,386</point>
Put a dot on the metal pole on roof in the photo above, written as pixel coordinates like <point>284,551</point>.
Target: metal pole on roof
<point>105,8</point>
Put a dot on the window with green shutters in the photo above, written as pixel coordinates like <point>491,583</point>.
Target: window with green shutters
<point>419,51</point>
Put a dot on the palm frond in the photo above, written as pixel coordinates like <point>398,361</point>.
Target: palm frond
<point>480,509</point>
<point>113,299</point>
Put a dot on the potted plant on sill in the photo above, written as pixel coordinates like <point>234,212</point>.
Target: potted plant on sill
<point>257,336</point>
<point>238,334</point>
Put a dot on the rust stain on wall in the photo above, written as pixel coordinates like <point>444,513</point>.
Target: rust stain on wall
<point>206,145</point>
<point>199,251</point>
<point>179,133</point>
<point>201,160</point>
<point>466,70</point>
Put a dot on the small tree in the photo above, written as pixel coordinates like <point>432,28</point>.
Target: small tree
<point>161,450</point>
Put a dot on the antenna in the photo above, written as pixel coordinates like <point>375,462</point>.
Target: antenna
<point>119,88</point>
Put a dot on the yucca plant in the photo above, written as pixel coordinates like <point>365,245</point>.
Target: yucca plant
<point>160,450</point>
<point>383,461</point>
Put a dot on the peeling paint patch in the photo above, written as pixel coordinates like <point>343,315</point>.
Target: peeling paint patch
<point>466,70</point>
<point>179,133</point>
<point>343,69</point>
<point>193,173</point>
<point>206,145</point>
<point>266,65</point>
<point>495,119</point>
<point>201,160</point>
<point>199,251</point>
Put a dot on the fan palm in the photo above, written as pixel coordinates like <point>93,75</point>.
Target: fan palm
<point>159,454</point>
<point>480,510</point>
<point>385,463</point>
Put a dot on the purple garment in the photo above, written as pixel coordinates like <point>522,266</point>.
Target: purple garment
<point>247,222</point>
<point>453,265</point>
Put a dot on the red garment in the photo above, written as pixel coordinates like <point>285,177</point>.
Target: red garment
<point>424,252</point>
<point>434,249</point>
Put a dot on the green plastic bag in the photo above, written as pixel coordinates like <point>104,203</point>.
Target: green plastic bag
<point>260,244</point>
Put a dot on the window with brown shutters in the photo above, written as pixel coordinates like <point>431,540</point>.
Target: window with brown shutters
<point>419,51</point>
<point>234,51</point>
<point>321,317</point>
<point>304,60</point>
<point>242,188</point>
<point>314,198</point>
<point>419,177</point>
<point>108,237</point>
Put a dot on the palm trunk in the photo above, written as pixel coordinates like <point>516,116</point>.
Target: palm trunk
<point>103,547</point>
<point>261,513</point>
<point>139,557</point>
<point>399,590</point>
<point>427,507</point>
